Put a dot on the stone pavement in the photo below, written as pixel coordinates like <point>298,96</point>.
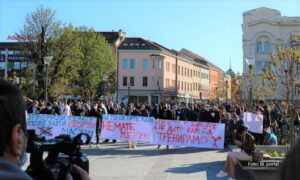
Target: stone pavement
<point>116,161</point>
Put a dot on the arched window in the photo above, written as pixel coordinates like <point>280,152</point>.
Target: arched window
<point>259,47</point>
<point>267,47</point>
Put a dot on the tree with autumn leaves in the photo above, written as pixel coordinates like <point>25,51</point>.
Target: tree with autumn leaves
<point>283,78</point>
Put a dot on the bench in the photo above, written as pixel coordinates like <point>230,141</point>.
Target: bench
<point>265,169</point>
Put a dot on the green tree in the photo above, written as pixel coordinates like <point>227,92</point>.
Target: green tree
<point>96,61</point>
<point>64,66</point>
<point>39,27</point>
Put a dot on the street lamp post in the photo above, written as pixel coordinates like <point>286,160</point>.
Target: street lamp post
<point>226,86</point>
<point>250,63</point>
<point>128,93</point>
<point>47,61</point>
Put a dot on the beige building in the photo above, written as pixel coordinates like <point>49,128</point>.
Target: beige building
<point>263,28</point>
<point>149,72</point>
<point>203,67</point>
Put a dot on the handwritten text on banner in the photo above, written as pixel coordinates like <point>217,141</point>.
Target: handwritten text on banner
<point>164,132</point>
<point>188,133</point>
<point>131,128</point>
<point>51,126</point>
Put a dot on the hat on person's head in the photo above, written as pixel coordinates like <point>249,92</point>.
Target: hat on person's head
<point>241,129</point>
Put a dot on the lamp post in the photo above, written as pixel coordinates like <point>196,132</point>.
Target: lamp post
<point>226,86</point>
<point>128,93</point>
<point>47,61</point>
<point>250,62</point>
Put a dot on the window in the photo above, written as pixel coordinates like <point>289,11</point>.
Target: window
<point>297,67</point>
<point>182,70</point>
<point>185,71</point>
<point>168,67</point>
<point>125,63</point>
<point>145,81</point>
<point>145,64</point>
<point>173,83</point>
<point>131,81</point>
<point>178,85</point>
<point>132,61</point>
<point>173,68</point>
<point>159,63</point>
<point>185,86</point>
<point>167,83</point>
<point>124,81</point>
<point>204,76</point>
<point>260,65</point>
<point>267,46</point>
<point>259,47</point>
<point>191,88</point>
<point>178,70</point>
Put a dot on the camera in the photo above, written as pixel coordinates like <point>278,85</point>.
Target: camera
<point>63,152</point>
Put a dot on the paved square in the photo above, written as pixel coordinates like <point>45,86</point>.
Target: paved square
<point>116,161</point>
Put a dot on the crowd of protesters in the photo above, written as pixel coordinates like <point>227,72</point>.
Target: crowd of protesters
<point>274,115</point>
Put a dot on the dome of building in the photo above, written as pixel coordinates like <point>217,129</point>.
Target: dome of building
<point>230,73</point>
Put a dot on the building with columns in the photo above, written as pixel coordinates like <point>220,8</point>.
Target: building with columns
<point>263,29</point>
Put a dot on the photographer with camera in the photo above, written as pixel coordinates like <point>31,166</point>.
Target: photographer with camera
<point>13,139</point>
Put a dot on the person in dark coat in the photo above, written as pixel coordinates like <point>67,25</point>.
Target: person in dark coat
<point>183,112</point>
<point>205,115</point>
<point>111,110</point>
<point>34,108</point>
<point>155,111</point>
<point>48,109</point>
<point>95,113</point>
<point>144,111</point>
<point>215,115</point>
<point>192,114</point>
<point>165,114</point>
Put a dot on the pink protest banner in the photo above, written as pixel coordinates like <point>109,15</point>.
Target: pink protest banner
<point>130,128</point>
<point>51,126</point>
<point>189,134</point>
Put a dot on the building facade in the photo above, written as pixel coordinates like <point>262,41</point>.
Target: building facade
<point>263,29</point>
<point>204,73</point>
<point>149,72</point>
<point>12,62</point>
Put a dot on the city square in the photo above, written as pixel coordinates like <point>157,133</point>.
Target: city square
<point>150,90</point>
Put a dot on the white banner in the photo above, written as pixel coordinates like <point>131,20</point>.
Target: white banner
<point>51,126</point>
<point>130,128</point>
<point>189,134</point>
<point>254,122</point>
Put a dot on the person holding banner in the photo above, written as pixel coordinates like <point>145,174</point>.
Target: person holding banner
<point>246,143</point>
<point>131,111</point>
<point>165,114</point>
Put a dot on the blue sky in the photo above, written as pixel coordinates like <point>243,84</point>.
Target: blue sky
<point>210,28</point>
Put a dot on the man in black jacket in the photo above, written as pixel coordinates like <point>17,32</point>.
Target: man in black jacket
<point>165,114</point>
<point>144,111</point>
<point>192,114</point>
